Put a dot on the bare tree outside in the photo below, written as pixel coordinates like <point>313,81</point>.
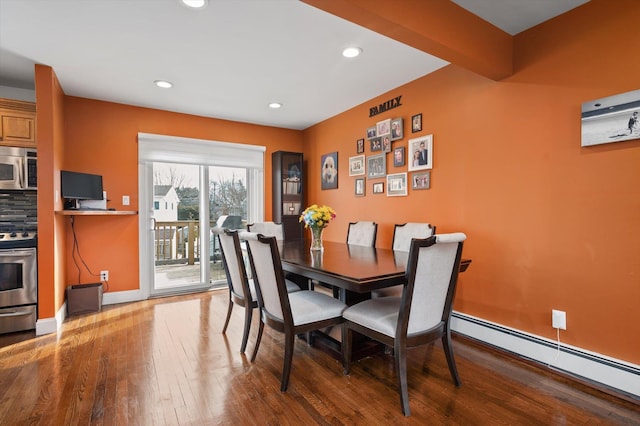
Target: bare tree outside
<point>169,176</point>
<point>228,196</point>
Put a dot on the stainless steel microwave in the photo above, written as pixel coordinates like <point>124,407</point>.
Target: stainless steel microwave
<point>18,168</point>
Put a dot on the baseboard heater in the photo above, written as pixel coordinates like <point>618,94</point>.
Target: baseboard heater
<point>617,375</point>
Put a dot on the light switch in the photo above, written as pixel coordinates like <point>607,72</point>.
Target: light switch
<point>125,200</point>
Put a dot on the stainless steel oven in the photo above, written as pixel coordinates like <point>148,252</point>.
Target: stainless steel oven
<point>18,281</point>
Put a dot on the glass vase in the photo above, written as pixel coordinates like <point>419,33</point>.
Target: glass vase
<point>316,239</point>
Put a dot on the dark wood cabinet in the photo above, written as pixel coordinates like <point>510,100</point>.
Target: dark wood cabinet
<point>288,192</point>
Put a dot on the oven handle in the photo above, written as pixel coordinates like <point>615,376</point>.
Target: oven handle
<point>15,313</point>
<point>13,254</point>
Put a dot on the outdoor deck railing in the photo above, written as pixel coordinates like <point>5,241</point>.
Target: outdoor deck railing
<point>179,242</point>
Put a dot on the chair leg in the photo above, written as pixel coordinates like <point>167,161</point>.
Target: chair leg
<point>226,322</point>
<point>248,315</point>
<point>401,372</point>
<point>346,349</point>
<point>255,348</point>
<point>448,351</point>
<point>288,357</point>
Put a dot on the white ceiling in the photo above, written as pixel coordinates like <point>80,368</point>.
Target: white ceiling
<point>227,61</point>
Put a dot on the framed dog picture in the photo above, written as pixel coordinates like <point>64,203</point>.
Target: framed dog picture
<point>329,171</point>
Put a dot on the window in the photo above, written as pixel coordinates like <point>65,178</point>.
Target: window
<point>156,205</point>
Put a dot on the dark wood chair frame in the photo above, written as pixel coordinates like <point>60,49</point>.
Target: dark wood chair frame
<point>442,330</point>
<point>241,296</point>
<point>285,325</point>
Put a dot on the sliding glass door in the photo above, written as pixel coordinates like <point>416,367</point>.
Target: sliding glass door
<point>180,201</point>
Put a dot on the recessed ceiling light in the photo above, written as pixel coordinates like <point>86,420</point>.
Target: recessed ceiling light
<point>275,105</point>
<point>351,52</point>
<point>164,84</point>
<point>196,4</point>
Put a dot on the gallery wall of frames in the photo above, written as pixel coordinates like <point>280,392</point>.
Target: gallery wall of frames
<point>392,159</point>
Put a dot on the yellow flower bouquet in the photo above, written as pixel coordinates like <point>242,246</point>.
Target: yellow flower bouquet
<point>317,218</point>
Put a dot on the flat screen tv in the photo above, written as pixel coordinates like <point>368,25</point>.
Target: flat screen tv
<point>76,186</point>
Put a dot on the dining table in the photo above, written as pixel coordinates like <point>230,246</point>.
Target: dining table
<point>353,270</point>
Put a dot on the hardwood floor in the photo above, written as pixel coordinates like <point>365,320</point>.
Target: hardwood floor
<point>165,362</point>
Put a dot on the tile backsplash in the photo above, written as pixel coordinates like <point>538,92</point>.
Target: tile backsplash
<point>18,210</point>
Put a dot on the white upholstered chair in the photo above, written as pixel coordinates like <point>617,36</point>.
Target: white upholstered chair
<point>362,233</point>
<point>421,315</point>
<point>402,235</point>
<point>268,229</point>
<point>289,313</point>
<point>241,289</point>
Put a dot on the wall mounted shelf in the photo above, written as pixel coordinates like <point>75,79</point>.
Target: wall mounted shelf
<point>96,212</point>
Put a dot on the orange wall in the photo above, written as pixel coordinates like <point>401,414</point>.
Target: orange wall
<point>51,254</point>
<point>550,225</point>
<point>101,138</point>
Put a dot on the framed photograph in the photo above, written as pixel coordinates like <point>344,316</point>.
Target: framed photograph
<point>421,180</point>
<point>398,156</point>
<point>397,184</point>
<point>329,170</point>
<point>397,131</point>
<point>378,188</point>
<point>376,166</point>
<point>416,123</point>
<point>611,119</point>
<point>376,144</point>
<point>383,127</point>
<point>356,165</point>
<point>360,187</point>
<point>371,132</point>
<point>386,144</point>
<point>420,153</point>
<point>360,146</point>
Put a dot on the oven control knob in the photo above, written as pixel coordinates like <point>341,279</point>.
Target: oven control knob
<point>25,234</point>
<point>1,236</point>
<point>13,234</point>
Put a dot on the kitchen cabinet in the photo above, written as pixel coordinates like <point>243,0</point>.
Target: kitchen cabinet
<point>288,192</point>
<point>17,123</point>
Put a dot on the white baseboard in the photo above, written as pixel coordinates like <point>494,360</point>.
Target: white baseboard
<point>46,326</point>
<point>616,374</point>
<point>52,325</point>
<point>112,298</point>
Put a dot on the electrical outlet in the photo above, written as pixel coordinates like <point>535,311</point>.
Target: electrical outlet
<point>559,319</point>
<point>104,275</point>
<point>125,200</point>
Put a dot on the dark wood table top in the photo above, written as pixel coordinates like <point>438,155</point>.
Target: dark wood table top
<point>353,268</point>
